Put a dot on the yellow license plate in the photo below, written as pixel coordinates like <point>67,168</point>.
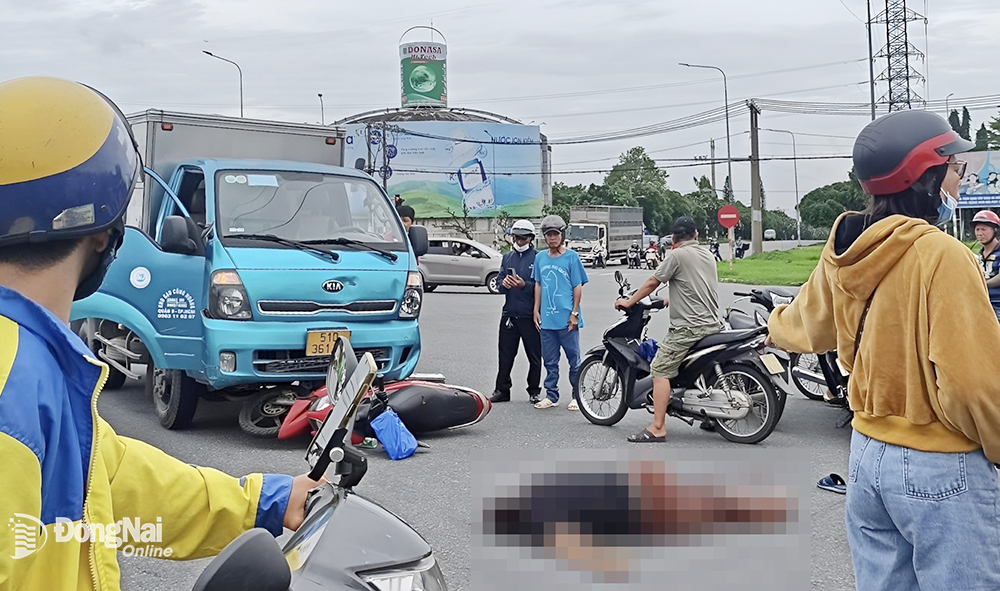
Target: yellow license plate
<point>771,363</point>
<point>319,343</point>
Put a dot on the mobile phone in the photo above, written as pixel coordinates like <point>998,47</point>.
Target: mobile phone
<point>511,273</point>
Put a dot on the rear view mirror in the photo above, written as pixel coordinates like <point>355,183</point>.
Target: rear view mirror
<point>618,276</point>
<point>251,562</point>
<point>418,240</point>
<point>180,235</point>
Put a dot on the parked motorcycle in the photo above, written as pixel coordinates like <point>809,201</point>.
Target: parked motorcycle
<point>424,405</point>
<point>737,319</point>
<point>346,541</point>
<point>723,381</point>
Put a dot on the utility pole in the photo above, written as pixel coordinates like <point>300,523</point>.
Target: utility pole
<point>322,111</point>
<point>368,163</point>
<point>756,234</point>
<point>871,59</point>
<point>712,143</point>
<point>385,162</point>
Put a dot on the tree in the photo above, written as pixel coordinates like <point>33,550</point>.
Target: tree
<point>953,120</point>
<point>963,130</point>
<point>463,224</point>
<point>820,207</point>
<point>636,180</point>
<point>563,197</point>
<point>982,139</point>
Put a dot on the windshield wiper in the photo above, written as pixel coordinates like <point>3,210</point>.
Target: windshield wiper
<point>303,246</point>
<point>349,242</point>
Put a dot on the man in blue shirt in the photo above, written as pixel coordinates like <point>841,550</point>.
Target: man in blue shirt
<point>559,277</point>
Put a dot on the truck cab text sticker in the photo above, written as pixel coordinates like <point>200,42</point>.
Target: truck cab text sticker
<point>176,304</point>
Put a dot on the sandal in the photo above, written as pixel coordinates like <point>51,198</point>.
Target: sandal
<point>833,483</point>
<point>646,437</point>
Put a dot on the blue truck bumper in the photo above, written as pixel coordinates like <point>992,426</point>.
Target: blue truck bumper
<point>274,352</point>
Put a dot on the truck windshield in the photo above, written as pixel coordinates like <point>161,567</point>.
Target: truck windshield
<point>305,207</point>
<point>579,232</point>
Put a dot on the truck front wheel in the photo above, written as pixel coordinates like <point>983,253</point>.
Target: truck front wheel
<point>175,396</point>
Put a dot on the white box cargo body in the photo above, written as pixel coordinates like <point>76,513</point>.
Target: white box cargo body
<point>167,138</point>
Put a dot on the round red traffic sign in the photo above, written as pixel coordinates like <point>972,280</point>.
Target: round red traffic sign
<point>729,216</point>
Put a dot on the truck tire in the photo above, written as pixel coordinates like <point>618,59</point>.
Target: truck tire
<point>175,396</point>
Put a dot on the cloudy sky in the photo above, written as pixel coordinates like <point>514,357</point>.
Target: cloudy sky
<point>575,66</point>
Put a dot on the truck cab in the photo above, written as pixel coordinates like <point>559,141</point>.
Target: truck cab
<point>589,241</point>
<point>236,275</point>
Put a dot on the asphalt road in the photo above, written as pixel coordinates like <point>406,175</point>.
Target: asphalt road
<point>432,489</point>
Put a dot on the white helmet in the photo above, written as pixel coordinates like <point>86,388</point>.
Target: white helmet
<point>523,228</point>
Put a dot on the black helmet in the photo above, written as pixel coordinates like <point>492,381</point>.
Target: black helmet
<point>553,222</point>
<point>895,150</point>
<point>69,161</point>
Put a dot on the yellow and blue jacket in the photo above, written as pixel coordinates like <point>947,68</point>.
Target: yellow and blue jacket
<point>67,480</point>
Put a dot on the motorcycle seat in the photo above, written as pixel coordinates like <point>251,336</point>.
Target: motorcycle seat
<point>728,336</point>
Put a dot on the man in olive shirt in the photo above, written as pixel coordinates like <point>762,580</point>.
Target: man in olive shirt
<point>691,275</point>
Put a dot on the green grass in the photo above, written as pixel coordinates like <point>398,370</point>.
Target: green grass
<point>786,267</point>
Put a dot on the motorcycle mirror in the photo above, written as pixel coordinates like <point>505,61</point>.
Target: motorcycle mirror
<point>339,422</point>
<point>618,276</point>
<point>251,562</point>
<point>761,321</point>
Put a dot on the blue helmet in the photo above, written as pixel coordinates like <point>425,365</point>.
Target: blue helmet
<point>68,161</point>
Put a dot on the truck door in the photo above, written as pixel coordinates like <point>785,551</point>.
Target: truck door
<point>162,280</point>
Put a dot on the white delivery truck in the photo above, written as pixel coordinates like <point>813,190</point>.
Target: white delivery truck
<point>600,233</point>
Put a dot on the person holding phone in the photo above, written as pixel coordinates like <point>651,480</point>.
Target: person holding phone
<point>517,323</point>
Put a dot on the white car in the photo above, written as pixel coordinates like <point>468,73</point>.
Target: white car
<point>769,234</point>
<point>457,261</point>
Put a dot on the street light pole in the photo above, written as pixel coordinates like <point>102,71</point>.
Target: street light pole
<point>322,112</point>
<point>795,167</point>
<point>725,89</point>
<point>946,109</point>
<point>240,70</point>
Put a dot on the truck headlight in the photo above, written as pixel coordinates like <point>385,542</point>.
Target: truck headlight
<point>227,298</point>
<point>413,297</point>
<point>423,576</point>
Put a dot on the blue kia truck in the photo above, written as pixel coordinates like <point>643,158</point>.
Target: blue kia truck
<point>239,267</point>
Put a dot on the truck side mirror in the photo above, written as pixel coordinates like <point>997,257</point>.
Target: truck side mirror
<point>418,239</point>
<point>180,235</point>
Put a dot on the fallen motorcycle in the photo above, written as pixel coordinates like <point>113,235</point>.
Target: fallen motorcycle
<point>424,406</point>
<point>346,541</point>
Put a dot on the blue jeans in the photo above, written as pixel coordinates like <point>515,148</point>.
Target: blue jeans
<point>919,521</point>
<point>569,340</point>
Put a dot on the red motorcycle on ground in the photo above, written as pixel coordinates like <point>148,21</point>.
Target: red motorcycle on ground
<point>423,402</point>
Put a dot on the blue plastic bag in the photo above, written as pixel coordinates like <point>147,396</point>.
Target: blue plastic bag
<point>647,350</point>
<point>397,440</point>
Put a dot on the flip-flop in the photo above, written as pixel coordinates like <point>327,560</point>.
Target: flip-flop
<point>833,483</point>
<point>646,437</point>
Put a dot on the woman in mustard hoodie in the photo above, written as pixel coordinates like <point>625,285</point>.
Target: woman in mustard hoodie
<point>905,306</point>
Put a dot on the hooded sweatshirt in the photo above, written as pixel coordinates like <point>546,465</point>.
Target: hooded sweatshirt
<point>924,376</point>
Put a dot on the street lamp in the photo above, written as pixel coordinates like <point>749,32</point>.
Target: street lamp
<point>209,53</point>
<point>946,109</point>
<point>322,112</point>
<point>795,166</point>
<point>725,89</point>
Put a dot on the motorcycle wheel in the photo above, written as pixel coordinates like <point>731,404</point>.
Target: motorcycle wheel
<point>763,416</point>
<point>175,395</point>
<point>809,361</point>
<point>601,403</point>
<point>261,415</point>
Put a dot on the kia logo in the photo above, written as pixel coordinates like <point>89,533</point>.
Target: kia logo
<point>333,286</point>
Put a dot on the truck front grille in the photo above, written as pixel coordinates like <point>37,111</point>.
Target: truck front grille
<point>306,308</point>
<point>289,361</point>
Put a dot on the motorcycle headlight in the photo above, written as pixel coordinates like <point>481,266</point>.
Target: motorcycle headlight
<point>423,576</point>
<point>227,298</point>
<point>778,300</point>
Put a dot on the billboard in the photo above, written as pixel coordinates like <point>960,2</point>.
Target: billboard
<point>980,188</point>
<point>424,72</point>
<point>439,166</point>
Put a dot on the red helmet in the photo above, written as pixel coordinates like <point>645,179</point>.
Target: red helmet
<point>987,217</point>
<point>893,151</point>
